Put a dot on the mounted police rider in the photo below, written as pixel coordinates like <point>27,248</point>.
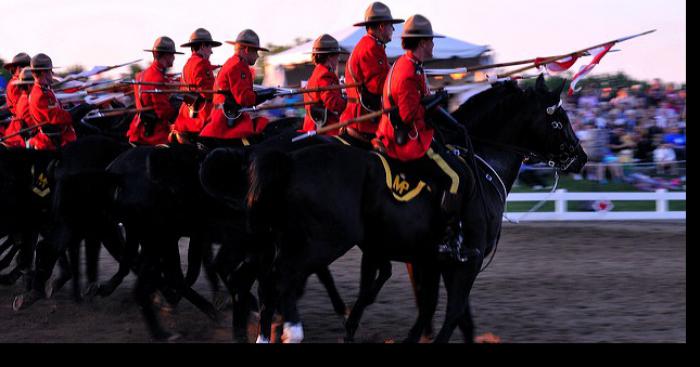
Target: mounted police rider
<point>236,79</point>
<point>198,73</point>
<point>369,66</point>
<point>405,134</point>
<point>153,127</point>
<point>330,103</point>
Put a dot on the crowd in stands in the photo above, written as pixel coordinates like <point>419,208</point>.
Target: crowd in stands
<point>628,126</point>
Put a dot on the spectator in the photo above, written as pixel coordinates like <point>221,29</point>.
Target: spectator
<point>665,159</point>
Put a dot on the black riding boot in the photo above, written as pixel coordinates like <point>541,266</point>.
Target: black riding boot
<point>451,248</point>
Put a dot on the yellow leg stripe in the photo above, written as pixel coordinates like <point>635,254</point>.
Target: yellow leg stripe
<point>387,171</point>
<point>245,142</point>
<point>341,140</point>
<point>445,167</point>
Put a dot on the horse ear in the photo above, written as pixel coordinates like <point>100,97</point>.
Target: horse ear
<point>539,84</point>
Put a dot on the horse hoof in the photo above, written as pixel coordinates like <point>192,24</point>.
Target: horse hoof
<point>262,340</point>
<point>24,300</point>
<point>48,289</point>
<point>174,337</point>
<point>91,291</point>
<point>292,333</point>
<point>104,290</point>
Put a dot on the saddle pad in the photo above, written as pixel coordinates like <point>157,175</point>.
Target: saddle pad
<point>405,185</point>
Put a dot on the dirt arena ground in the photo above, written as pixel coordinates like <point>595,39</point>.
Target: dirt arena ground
<point>573,282</point>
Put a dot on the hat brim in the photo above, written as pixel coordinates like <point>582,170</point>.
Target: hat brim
<point>14,64</point>
<point>212,43</point>
<point>422,36</point>
<point>166,52</point>
<point>328,52</point>
<point>248,45</point>
<point>41,69</point>
<point>370,22</point>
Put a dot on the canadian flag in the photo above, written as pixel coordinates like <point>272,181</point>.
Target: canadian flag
<point>557,66</point>
<point>599,52</point>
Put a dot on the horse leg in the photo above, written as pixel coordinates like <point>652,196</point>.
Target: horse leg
<point>239,285</point>
<point>459,280</point>
<point>92,256</point>
<point>293,331</point>
<point>427,291</point>
<point>194,259</point>
<point>144,288</point>
<point>466,324</point>
<point>326,278</point>
<point>74,253</point>
<point>369,289</point>
<point>11,277</point>
<point>175,278</point>
<point>126,260</point>
<point>211,274</point>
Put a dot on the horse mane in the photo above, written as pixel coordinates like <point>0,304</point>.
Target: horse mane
<point>490,108</point>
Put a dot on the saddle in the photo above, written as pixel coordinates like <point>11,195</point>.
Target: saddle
<point>404,179</point>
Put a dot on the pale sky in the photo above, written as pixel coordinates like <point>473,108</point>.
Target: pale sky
<point>91,32</point>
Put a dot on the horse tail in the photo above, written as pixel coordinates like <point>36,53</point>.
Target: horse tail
<point>268,175</point>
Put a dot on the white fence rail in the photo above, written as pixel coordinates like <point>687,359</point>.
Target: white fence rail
<point>562,196</point>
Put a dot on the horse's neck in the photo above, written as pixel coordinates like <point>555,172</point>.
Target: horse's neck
<point>506,164</point>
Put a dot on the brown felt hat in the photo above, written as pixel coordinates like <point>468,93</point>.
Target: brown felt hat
<point>378,13</point>
<point>248,38</point>
<point>418,26</point>
<point>41,62</point>
<point>326,44</point>
<point>165,45</point>
<point>21,59</point>
<point>201,35</point>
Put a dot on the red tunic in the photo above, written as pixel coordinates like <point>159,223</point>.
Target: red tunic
<point>12,94</point>
<point>44,107</point>
<point>164,111</point>
<point>369,65</point>
<point>407,86</point>
<point>235,76</point>
<point>332,100</point>
<point>21,120</point>
<point>197,71</point>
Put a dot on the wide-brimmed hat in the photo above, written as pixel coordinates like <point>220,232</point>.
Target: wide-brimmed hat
<point>165,45</point>
<point>248,38</point>
<point>41,62</point>
<point>326,44</point>
<point>21,59</point>
<point>418,26</point>
<point>25,77</point>
<point>378,13</point>
<point>201,35</point>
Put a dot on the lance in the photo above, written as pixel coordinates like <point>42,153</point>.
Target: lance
<point>94,71</point>
<point>493,66</point>
<point>278,106</point>
<point>115,112</point>
<point>23,131</point>
<point>338,125</point>
<point>181,91</point>
<point>573,54</point>
<point>158,84</point>
<point>289,92</point>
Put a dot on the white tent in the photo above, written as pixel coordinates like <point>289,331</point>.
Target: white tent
<point>445,48</point>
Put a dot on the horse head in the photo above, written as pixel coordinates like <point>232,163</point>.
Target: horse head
<point>530,122</point>
<point>555,141</point>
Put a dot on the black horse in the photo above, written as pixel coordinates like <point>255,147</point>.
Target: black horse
<point>320,201</point>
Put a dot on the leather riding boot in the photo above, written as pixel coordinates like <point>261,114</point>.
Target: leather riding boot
<point>451,247</point>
